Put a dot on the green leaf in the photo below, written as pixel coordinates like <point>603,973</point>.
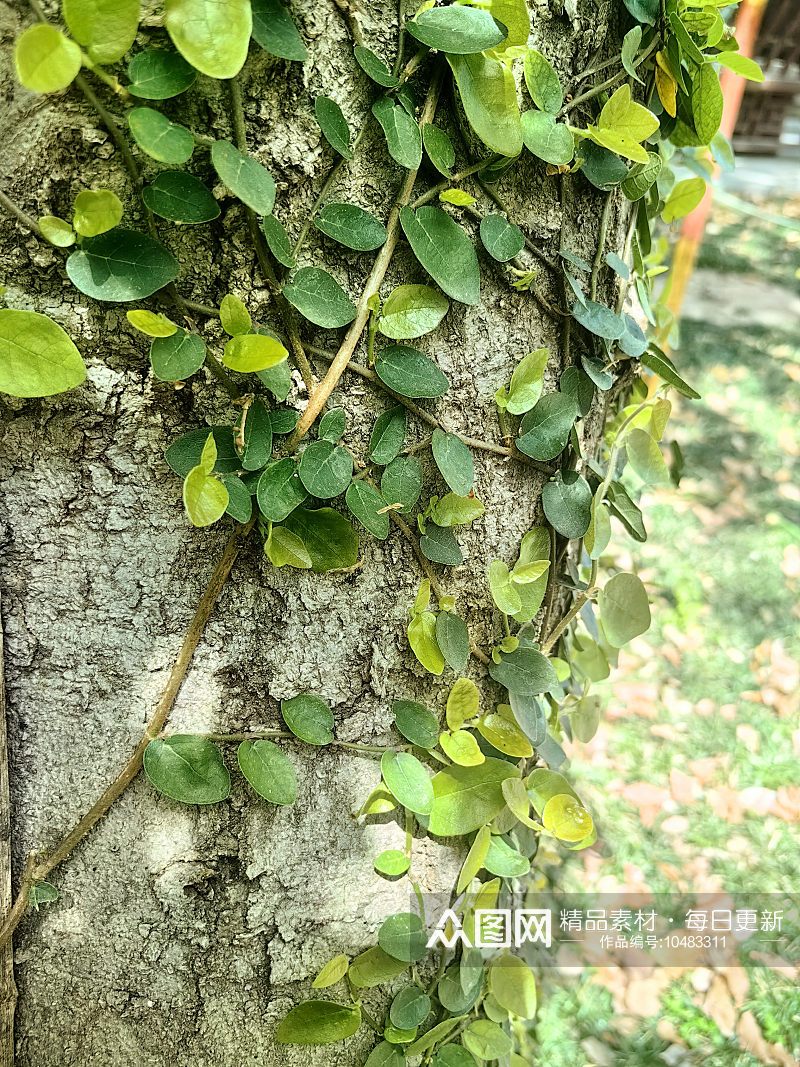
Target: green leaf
<point>325,469</point>
<point>309,718</point>
<point>444,250</point>
<point>454,1056</point>
<point>408,781</point>
<point>624,509</point>
<point>188,769</point>
<point>319,298</point>
<point>457,30</point>
<point>351,226</point>
<point>385,1055</point>
<point>549,140</point>
<point>269,771</point>
<point>660,365</point>
<point>285,549</point>
<point>392,863</point>
<point>599,319</point>
<point>213,37</point>
<point>454,461</point>
<point>439,148</point>
<point>283,420</point>
<point>278,240</point>
<point>319,1022</point>
<point>280,490</point>
<point>644,10</point>
<point>180,197</point>
<point>452,637</point>
<point>401,482</point>
<point>430,1038</point>
<point>439,545</point>
<point>505,861</point>
<point>37,358</point>
<point>240,502</point>
<point>57,231</point>
<point>466,798</point>
<point>475,856</point>
<point>106,28</point>
<point>585,718</point>
<point>642,176</point>
<point>545,430</point>
<point>501,238</point>
<point>577,384</point>
<point>245,177</point>
<point>333,972</point>
<point>489,95</point>
<point>410,373</point>
<point>527,381</point>
<point>151,323</point>
<point>204,497</point>
<point>624,609</point>
<point>411,311</point>
<point>706,103</point>
<point>567,818</point>
<point>186,453</point>
<point>178,356</point>
<point>599,533</point>
<point>234,316</point>
<point>330,539</point>
<point>410,1008</point>
<point>257,436</point>
<point>462,748</point>
<point>601,167</point>
<point>374,967</point>
<point>740,64</point>
<point>165,141</point>
<point>333,125</point>
<point>567,503</point>
<point>504,592</point>
<point>535,545</point>
<point>543,83</point>
<point>45,59</point>
<point>42,893</point>
<point>96,211</point>
<point>422,639</point>
<point>645,458</point>
<point>274,30</point>
<point>684,198</point>
<point>630,48</point>
<point>513,986</point>
<point>253,352</point>
<point>402,936</point>
<point>403,137</point>
<point>367,504</point>
<point>524,671</point>
<point>463,703</point>
<point>332,425</point>
<point>623,125</point>
<point>121,265</point>
<point>454,510</point>
<point>486,1040</point>
<point>416,723</point>
<point>374,67</point>
<point>388,436</point>
<point>157,74</point>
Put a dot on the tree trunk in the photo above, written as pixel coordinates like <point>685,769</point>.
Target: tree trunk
<point>183,935</point>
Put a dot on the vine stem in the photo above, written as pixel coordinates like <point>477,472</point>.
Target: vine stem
<point>38,869</point>
<point>320,395</point>
<point>21,216</point>
<point>590,94</point>
<point>601,245</point>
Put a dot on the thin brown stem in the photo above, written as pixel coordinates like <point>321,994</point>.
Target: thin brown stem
<point>601,245</point>
<point>590,94</point>
<point>319,397</point>
<point>21,216</point>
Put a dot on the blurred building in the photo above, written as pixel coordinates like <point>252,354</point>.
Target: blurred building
<point>769,119</point>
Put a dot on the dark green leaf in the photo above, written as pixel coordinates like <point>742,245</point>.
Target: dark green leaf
<point>624,509</point>
<point>456,996</point>
<point>543,83</point>
<point>325,469</point>
<point>457,30</point>
<point>624,609</point>
<point>257,437</point>
<point>409,1008</point>
<point>545,429</point>
<point>374,67</point>
<point>444,250</point>
<point>546,138</point>
<point>453,1056</point>
<point>567,503</point>
<point>246,178</point>
<point>180,197</point>
<point>408,782</point>
<point>42,893</point>
<point>409,373</point>
<point>599,319</point>
<point>524,671</point>
<point>641,177</point>
<point>319,1022</point>
<point>333,125</point>
<point>531,717</point>
<point>401,482</point>
<point>388,436</point>
<point>274,30</point>
<point>452,637</point>
<point>157,74</point>
<point>416,723</point>
<point>177,357</point>
<point>706,103</point>
<point>280,490</point>
<point>643,10</point>
<point>439,545</point>
<point>332,425</point>
<point>320,298</point>
<point>658,363</point>
<point>402,936</point>
<point>489,94</point>
<point>351,226</point>
<point>385,1055</point>
<point>283,420</point>
<point>439,148</point>
<point>603,169</point>
<point>278,240</point>
<point>577,384</point>
<point>188,769</point>
<point>454,461</point>
<point>163,140</point>
<point>633,341</point>
<point>329,538</point>
<point>403,137</point>
<point>121,265</point>
<point>309,718</point>
<point>184,454</point>
<point>367,504</point>
<point>466,798</point>
<point>374,967</point>
<point>501,238</point>
<point>269,771</point>
<point>595,369</point>
<point>240,502</point>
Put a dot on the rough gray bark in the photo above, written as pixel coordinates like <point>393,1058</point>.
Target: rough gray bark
<point>181,935</point>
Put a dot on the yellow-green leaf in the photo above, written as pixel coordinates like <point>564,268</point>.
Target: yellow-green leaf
<point>151,323</point>
<point>463,703</point>
<point>462,748</point>
<point>476,855</point>
<point>332,972</point>
<point>504,735</point>
<point>106,28</point>
<point>513,986</point>
<point>45,59</point>
<point>422,638</point>
<point>253,352</point>
<point>96,211</point>
<point>212,35</point>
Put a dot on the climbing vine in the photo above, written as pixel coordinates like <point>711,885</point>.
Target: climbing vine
<point>654,113</point>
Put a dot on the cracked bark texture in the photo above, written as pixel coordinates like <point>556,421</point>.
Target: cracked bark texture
<point>184,935</point>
